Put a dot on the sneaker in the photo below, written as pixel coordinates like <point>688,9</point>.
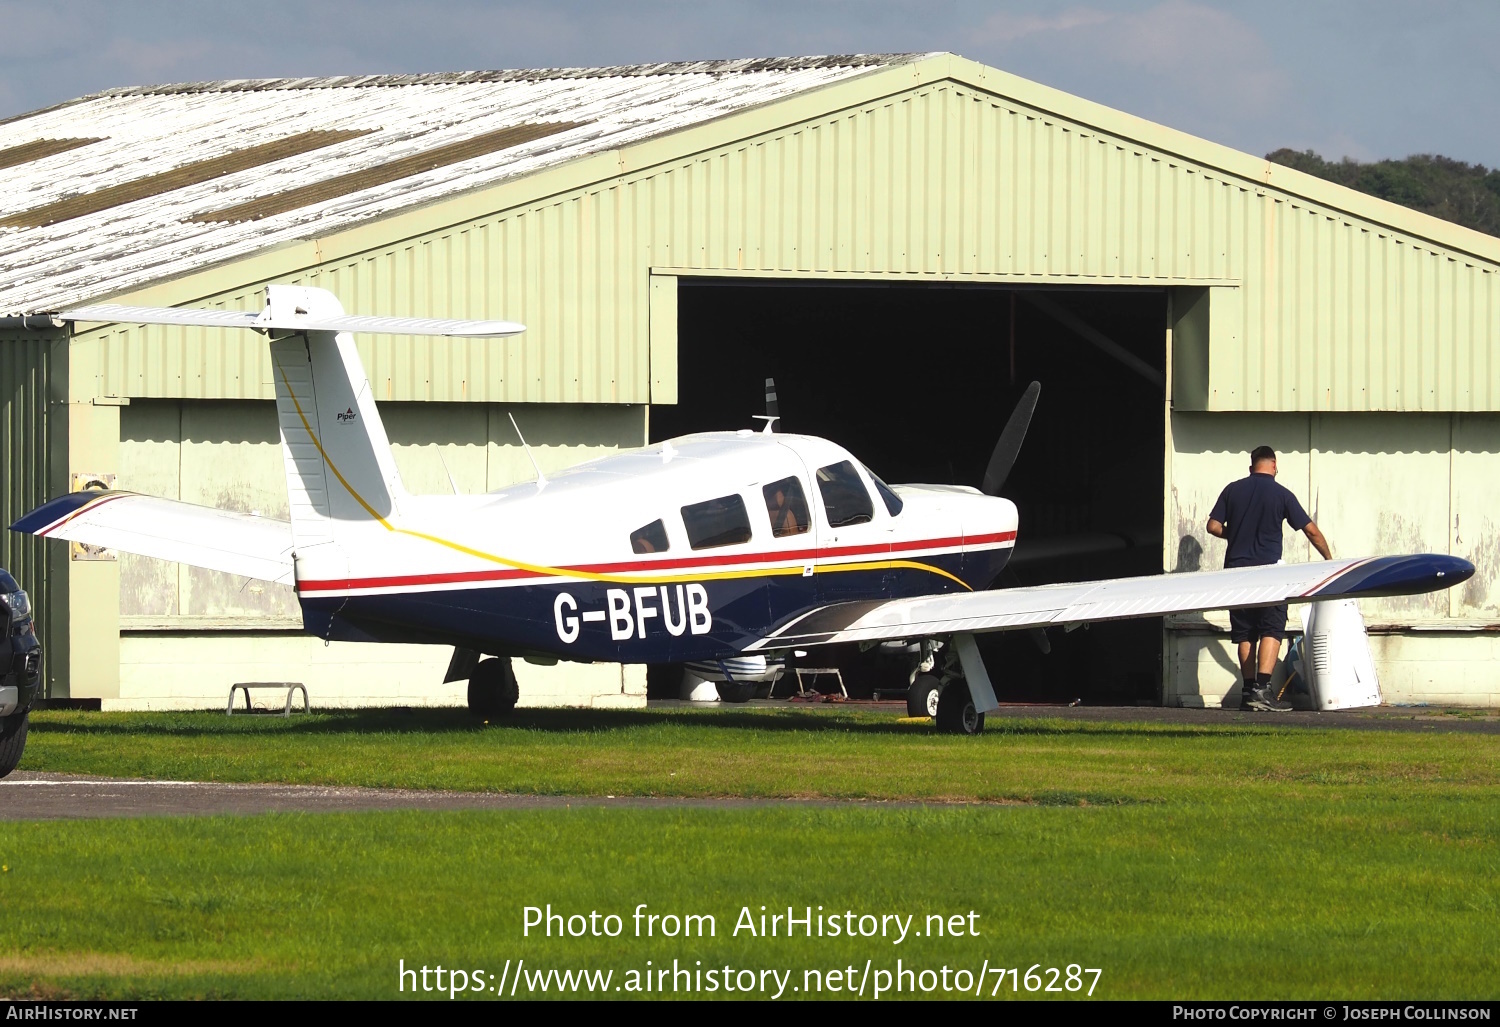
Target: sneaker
<point>1263,700</point>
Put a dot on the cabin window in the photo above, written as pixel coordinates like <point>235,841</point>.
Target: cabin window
<point>650,539</point>
<point>844,495</point>
<point>786,504</point>
<point>892,502</point>
<point>718,522</point>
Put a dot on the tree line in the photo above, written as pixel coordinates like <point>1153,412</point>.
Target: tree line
<point>1468,194</point>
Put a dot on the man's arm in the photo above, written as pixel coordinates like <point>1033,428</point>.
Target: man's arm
<point>1315,537</point>
<point>1219,514</point>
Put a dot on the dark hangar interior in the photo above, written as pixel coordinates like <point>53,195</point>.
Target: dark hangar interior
<point>917,381</point>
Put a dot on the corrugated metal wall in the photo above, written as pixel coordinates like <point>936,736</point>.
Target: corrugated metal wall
<point>33,446</point>
<point>1375,483</point>
<point>216,453</point>
<point>25,378</point>
<point>1338,313</point>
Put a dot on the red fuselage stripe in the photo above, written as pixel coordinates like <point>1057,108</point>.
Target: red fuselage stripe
<point>638,566</point>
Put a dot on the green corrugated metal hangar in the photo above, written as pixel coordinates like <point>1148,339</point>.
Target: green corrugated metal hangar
<point>902,241</point>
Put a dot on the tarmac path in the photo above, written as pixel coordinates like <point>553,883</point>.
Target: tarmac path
<point>30,795</point>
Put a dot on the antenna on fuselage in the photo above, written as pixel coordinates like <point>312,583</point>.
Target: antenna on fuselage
<point>452,482</point>
<point>541,479</point>
<point>773,408</point>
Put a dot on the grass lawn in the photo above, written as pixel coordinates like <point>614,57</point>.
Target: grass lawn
<point>1229,862</point>
<point>766,752</point>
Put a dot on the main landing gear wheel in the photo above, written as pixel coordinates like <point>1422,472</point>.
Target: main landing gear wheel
<point>956,714</point>
<point>492,689</point>
<point>12,741</point>
<point>735,691</point>
<point>922,696</point>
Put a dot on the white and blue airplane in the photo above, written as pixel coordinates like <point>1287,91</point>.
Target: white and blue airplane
<point>723,549</point>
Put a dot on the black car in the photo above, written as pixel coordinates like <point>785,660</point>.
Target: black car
<point>20,671</point>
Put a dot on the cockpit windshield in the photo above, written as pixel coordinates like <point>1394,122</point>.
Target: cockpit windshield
<point>890,499</point>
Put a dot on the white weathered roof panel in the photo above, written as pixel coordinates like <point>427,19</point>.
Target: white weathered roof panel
<point>151,130</point>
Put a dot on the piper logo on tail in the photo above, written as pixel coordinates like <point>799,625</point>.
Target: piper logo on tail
<point>347,416</point>
<point>680,609</point>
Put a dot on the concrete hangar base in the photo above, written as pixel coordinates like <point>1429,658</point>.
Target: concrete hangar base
<point>902,241</point>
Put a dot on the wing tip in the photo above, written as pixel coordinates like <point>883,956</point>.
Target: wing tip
<point>1412,574</point>
<point>54,510</point>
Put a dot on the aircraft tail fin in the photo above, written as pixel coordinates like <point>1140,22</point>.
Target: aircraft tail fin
<point>341,476</point>
<point>344,490</point>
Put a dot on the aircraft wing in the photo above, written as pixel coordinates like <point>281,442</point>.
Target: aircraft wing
<point>1119,598</point>
<point>221,540</point>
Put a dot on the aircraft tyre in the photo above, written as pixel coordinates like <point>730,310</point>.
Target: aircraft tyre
<point>492,689</point>
<point>735,691</point>
<point>956,714</point>
<point>12,741</point>
<point>922,696</point>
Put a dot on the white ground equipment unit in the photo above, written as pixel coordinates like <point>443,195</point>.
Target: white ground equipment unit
<point>733,680</point>
<point>1336,663</point>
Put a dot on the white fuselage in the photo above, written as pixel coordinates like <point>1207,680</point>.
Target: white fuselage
<point>601,561</point>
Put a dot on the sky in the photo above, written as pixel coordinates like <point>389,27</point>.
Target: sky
<point>1361,78</point>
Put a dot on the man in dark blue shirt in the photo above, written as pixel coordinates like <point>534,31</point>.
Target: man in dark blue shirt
<point>1248,516</point>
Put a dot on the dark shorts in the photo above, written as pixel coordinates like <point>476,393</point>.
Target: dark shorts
<point>1261,622</point>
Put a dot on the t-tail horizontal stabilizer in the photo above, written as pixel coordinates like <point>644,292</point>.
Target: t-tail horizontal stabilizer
<point>284,312</point>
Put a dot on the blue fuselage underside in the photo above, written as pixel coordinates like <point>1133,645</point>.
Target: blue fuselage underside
<point>532,618</point>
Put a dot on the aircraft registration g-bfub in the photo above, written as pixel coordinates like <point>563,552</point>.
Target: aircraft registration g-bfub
<point>724,550</point>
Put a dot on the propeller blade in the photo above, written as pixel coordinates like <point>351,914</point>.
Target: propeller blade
<point>1009,446</point>
<point>1040,639</point>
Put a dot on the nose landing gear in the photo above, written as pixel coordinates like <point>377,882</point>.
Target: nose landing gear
<point>922,696</point>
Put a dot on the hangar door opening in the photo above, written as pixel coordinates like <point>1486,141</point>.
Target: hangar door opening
<point>918,380</point>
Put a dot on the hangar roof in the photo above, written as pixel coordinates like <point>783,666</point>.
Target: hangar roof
<point>112,191</point>
<point>574,200</point>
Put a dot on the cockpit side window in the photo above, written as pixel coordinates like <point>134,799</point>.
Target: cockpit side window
<point>892,502</point>
<point>786,504</point>
<point>649,539</point>
<point>844,495</point>
<point>718,522</point>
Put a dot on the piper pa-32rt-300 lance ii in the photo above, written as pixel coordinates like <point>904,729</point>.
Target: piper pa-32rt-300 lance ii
<point>723,550</point>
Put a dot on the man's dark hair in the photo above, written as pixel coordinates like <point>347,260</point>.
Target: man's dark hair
<point>1260,453</point>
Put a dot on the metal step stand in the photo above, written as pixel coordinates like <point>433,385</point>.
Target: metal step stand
<point>292,687</point>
